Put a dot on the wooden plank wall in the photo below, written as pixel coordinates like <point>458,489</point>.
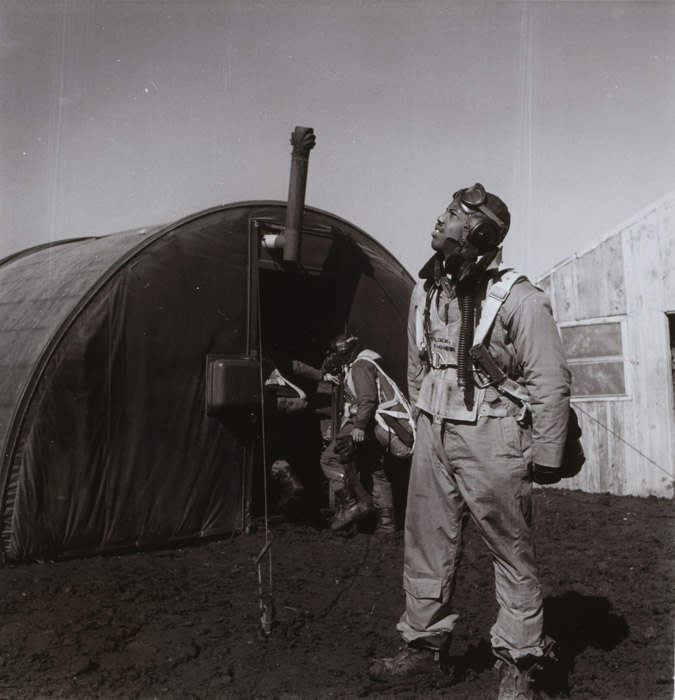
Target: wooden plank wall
<point>629,442</point>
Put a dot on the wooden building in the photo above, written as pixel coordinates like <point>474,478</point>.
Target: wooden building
<point>615,306</point>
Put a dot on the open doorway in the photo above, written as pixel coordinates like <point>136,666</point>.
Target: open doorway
<point>299,315</point>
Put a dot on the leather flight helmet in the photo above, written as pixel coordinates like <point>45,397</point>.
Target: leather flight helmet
<point>344,347</point>
<point>489,217</point>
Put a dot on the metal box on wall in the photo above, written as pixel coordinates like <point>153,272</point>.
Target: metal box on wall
<point>231,381</point>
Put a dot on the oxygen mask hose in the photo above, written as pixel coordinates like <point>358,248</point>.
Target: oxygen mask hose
<point>465,340</point>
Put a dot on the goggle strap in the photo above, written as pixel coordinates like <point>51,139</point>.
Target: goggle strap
<point>484,210</point>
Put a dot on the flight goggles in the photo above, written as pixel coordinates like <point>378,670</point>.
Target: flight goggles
<point>473,199</point>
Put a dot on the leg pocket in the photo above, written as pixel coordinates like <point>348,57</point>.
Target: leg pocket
<point>517,439</point>
<point>525,434</point>
<point>423,588</point>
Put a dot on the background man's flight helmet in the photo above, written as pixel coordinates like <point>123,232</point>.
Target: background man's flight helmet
<point>344,348</point>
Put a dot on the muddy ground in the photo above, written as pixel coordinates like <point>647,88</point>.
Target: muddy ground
<point>185,623</point>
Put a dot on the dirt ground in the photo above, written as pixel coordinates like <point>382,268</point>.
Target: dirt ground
<point>185,623</point>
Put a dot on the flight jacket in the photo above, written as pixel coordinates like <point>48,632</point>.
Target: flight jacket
<point>524,342</point>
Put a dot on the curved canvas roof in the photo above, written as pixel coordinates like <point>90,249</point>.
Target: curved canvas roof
<point>88,328</point>
<point>40,290</point>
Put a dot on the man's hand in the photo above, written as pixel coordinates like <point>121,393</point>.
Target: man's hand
<point>328,377</point>
<point>358,435</point>
<point>543,475</point>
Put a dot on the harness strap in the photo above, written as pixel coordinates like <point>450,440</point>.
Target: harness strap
<point>496,297</point>
<point>497,294</point>
<point>514,390</point>
<point>426,322</point>
<point>277,379</point>
<point>384,407</point>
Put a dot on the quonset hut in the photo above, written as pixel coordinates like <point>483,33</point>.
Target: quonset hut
<point>130,366</point>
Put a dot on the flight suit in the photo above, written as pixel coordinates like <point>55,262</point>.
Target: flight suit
<point>471,457</point>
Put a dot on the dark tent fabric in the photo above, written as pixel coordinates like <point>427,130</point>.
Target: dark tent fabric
<point>106,439</point>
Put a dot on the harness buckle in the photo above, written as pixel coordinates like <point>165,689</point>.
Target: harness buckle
<point>481,379</point>
<point>498,291</point>
<point>436,361</point>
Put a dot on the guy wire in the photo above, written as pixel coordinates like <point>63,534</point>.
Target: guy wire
<point>625,442</point>
<point>264,441</point>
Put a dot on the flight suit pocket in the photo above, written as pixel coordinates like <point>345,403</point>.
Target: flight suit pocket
<point>525,434</point>
<point>517,438</point>
<point>424,588</point>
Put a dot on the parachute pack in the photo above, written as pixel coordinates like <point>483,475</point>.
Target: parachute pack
<point>394,423</point>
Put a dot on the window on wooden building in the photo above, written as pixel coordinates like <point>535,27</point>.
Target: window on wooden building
<point>596,357</point>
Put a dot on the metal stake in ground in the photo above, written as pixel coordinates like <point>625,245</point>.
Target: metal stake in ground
<point>267,609</point>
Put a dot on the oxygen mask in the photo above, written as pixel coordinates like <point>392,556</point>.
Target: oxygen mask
<point>464,263</point>
<point>332,364</point>
<point>458,257</point>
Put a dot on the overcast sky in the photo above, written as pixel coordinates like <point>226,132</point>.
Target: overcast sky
<point>117,114</point>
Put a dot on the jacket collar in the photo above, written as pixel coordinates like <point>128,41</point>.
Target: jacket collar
<point>433,268</point>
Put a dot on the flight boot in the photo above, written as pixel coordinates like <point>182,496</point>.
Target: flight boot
<point>515,683</point>
<point>518,679</point>
<point>291,488</point>
<point>411,661</point>
<point>385,524</point>
<point>350,507</point>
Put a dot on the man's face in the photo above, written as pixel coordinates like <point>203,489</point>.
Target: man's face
<point>341,348</point>
<point>450,224</point>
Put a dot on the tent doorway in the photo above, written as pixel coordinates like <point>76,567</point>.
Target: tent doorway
<point>299,315</point>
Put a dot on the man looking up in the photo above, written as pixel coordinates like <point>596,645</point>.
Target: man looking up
<point>477,450</point>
